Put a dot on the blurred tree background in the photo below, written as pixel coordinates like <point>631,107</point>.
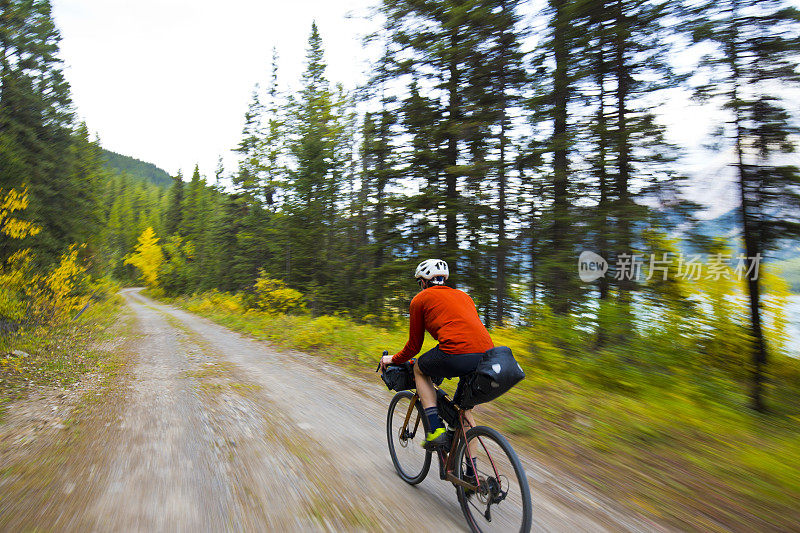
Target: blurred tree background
<point>502,140</point>
<point>503,136</point>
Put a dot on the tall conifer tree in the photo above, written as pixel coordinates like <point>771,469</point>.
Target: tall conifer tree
<point>174,215</point>
<point>757,50</point>
<point>312,187</point>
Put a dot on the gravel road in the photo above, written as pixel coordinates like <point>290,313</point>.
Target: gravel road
<point>220,432</point>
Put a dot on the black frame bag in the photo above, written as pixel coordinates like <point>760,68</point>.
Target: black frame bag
<point>497,372</point>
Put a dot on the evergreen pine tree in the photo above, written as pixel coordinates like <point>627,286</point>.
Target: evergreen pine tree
<point>173,220</point>
<point>435,44</point>
<point>36,124</point>
<point>757,49</point>
<point>273,142</point>
<point>247,180</point>
<point>312,187</point>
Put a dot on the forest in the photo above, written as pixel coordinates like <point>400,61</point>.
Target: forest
<point>504,142</point>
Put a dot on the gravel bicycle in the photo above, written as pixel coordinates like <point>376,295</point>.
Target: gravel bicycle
<point>496,497</point>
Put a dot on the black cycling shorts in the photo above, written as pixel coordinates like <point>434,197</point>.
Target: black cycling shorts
<point>438,364</point>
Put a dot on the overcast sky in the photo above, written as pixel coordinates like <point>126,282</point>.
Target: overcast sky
<point>169,81</point>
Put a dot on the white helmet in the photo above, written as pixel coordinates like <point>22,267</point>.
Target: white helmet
<point>433,270</point>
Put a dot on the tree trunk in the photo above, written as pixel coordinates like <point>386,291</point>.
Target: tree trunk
<point>602,175</point>
<point>380,204</point>
<point>501,228</point>
<point>753,252</point>
<point>500,280</point>
<point>623,152</point>
<point>534,251</point>
<point>560,160</point>
<point>752,244</point>
<point>451,176</point>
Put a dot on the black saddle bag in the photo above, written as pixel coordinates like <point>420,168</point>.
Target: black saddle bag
<point>497,372</point>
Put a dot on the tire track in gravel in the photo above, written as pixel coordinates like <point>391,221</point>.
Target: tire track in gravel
<point>164,470</point>
<point>213,441</point>
<point>242,436</point>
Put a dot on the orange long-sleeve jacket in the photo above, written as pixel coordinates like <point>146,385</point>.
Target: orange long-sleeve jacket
<point>449,315</point>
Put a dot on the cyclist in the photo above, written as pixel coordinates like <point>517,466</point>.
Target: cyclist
<point>449,315</point>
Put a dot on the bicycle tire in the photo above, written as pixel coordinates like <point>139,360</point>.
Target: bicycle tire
<point>408,472</point>
<point>504,461</point>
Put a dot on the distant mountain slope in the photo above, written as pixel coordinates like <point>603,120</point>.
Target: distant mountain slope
<point>785,257</point>
<point>135,168</point>
<point>726,225</point>
<point>729,227</point>
<point>790,271</point>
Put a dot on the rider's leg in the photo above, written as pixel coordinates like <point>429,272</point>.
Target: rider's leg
<point>436,435</point>
<point>424,388</point>
<point>471,444</point>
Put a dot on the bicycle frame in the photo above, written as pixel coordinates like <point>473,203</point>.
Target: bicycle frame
<point>447,464</point>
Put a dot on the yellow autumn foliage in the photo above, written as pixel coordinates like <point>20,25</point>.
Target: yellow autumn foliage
<point>774,303</point>
<point>13,271</point>
<point>42,342</point>
<point>10,226</point>
<point>273,296</point>
<point>12,361</point>
<point>148,257</point>
<point>57,292</point>
<point>725,308</point>
<point>12,282</point>
<point>39,297</point>
<point>45,298</point>
<point>224,301</point>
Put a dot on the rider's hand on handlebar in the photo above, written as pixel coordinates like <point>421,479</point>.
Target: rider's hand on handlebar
<point>385,361</point>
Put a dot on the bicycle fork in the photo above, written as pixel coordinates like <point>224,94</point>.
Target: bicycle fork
<point>404,434</point>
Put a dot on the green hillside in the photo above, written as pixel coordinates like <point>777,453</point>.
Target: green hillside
<point>135,168</point>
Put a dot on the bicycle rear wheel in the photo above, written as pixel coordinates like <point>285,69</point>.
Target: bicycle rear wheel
<point>410,460</point>
<point>503,499</point>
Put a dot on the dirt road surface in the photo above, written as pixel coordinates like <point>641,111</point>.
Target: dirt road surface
<point>218,432</point>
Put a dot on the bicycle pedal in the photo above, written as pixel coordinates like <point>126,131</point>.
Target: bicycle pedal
<point>436,447</point>
<point>439,443</point>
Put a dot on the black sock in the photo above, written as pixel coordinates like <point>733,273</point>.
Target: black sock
<point>469,471</point>
<point>433,418</point>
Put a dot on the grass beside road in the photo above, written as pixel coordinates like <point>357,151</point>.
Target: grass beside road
<point>679,446</point>
<point>57,355</point>
<point>61,421</point>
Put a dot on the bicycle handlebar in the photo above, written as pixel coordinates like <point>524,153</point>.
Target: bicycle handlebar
<point>385,353</point>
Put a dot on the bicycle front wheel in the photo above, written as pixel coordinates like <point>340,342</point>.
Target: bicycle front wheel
<point>503,499</point>
<point>410,460</point>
